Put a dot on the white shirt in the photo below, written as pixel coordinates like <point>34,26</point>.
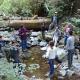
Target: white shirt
<point>51,53</point>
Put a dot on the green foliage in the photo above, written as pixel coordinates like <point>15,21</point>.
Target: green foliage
<point>32,7</point>
<point>43,10</point>
<point>5,6</point>
<point>66,7</point>
<point>52,10</point>
<point>39,7</point>
<point>51,7</point>
<point>1,1</point>
<point>77,31</point>
<point>20,7</point>
<point>28,7</point>
<point>76,22</point>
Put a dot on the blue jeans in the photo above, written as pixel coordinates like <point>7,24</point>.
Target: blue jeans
<point>70,58</point>
<point>24,44</point>
<point>51,65</point>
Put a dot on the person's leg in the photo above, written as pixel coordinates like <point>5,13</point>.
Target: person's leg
<point>24,44</point>
<point>70,58</point>
<point>43,35</point>
<point>51,64</point>
<point>69,61</point>
<point>21,44</point>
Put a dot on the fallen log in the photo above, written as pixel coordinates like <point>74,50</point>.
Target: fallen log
<point>30,24</point>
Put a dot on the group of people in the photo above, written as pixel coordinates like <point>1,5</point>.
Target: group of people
<point>23,34</point>
<point>11,49</point>
<point>51,53</point>
<point>69,45</point>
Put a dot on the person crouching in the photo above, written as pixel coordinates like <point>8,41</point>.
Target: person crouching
<point>15,53</point>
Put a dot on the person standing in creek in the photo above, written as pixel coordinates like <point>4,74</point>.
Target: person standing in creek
<point>23,36</point>
<point>51,54</point>
<point>43,30</point>
<point>70,48</point>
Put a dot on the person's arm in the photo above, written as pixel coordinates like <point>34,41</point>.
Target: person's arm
<point>19,32</point>
<point>26,30</point>
<point>47,53</point>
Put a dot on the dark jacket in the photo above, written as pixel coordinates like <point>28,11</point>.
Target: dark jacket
<point>22,33</point>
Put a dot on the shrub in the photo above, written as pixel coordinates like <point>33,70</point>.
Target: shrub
<point>76,22</point>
